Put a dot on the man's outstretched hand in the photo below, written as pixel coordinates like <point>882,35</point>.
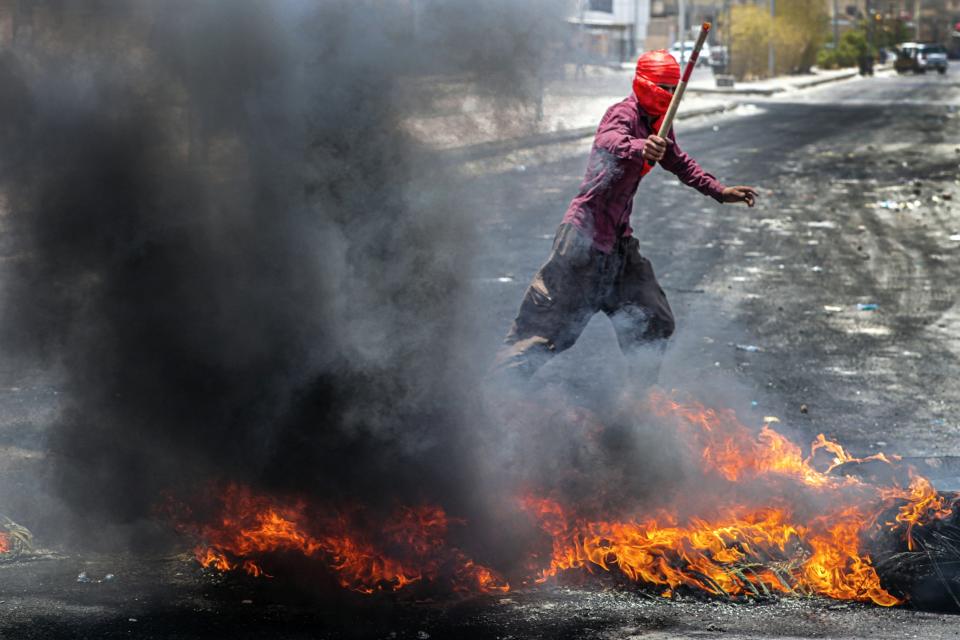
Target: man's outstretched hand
<point>740,194</point>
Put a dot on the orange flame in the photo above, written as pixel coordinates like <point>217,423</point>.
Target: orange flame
<point>4,543</point>
<point>923,504</point>
<point>704,554</point>
<point>744,549</point>
<point>731,448</point>
<point>252,526</point>
<point>749,539</point>
<point>837,568</point>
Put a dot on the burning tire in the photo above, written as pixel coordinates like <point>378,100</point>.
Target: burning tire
<point>14,540</point>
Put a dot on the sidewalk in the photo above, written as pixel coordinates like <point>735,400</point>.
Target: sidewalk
<point>571,110</point>
<point>772,86</point>
<point>780,84</point>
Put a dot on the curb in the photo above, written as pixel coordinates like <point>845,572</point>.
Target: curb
<point>706,111</point>
<point>500,147</point>
<point>763,91</point>
<point>818,81</point>
<point>758,91</point>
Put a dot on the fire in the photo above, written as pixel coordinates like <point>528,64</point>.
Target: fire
<point>4,543</point>
<point>720,556</point>
<point>923,504</point>
<point>732,449</point>
<point>252,526</point>
<point>771,520</point>
<point>837,568</point>
<point>743,549</point>
<point>842,457</point>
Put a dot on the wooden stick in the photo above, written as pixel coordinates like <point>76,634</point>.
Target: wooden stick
<point>682,86</point>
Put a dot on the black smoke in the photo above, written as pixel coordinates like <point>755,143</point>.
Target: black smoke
<point>243,265</point>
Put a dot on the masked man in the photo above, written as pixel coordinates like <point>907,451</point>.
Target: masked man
<point>596,264</point>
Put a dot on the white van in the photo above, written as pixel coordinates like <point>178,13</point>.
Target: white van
<point>688,49</point>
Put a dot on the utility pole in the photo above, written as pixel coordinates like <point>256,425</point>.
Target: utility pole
<point>771,62</point>
<point>682,29</point>
<point>836,25</point>
<point>636,28</point>
<point>582,45</point>
<point>415,10</point>
<point>729,38</point>
<point>916,20</point>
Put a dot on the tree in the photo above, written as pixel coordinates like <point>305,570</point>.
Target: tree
<point>750,30</point>
<point>853,47</point>
<point>797,32</point>
<point>800,28</point>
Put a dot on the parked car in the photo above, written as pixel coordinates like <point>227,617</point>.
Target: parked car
<point>919,57</point>
<point>688,49</point>
<point>718,58</point>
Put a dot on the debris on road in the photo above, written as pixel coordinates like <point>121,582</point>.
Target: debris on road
<point>749,348</point>
<point>866,306</point>
<point>14,539</point>
<point>893,205</point>
<point>84,578</point>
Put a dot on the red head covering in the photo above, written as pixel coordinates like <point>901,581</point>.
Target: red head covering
<point>653,68</point>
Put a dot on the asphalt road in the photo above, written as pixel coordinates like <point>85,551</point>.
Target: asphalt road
<point>785,276</point>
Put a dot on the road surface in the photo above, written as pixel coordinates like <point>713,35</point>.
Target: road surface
<point>859,205</point>
<point>787,275</point>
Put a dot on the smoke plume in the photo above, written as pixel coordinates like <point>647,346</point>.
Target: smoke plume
<point>240,260</point>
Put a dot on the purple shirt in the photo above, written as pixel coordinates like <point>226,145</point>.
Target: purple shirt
<point>602,208</point>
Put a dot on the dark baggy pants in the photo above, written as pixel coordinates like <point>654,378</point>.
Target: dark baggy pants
<point>576,282</point>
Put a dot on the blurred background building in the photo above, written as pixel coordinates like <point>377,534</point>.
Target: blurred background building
<point>609,30</point>
<point>613,31</point>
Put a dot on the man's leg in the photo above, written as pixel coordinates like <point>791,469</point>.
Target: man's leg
<point>640,314</point>
<point>556,306</point>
